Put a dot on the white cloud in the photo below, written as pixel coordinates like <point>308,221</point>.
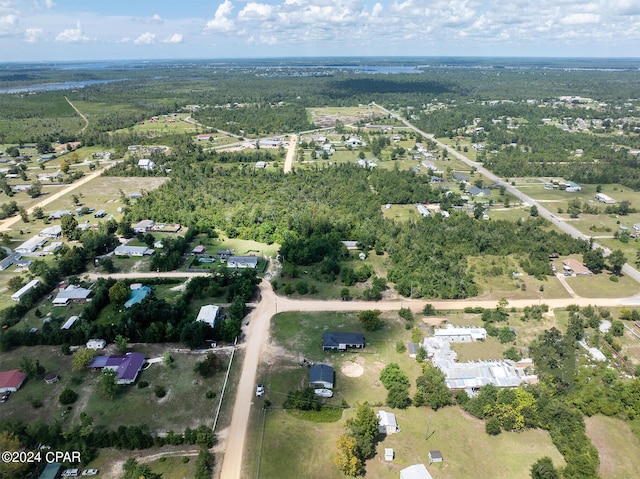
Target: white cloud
<point>8,24</point>
<point>580,19</point>
<point>146,38</point>
<point>153,20</point>
<point>256,11</point>
<point>175,38</point>
<point>73,35</point>
<point>124,40</point>
<point>221,21</point>
<point>49,3</point>
<point>32,35</point>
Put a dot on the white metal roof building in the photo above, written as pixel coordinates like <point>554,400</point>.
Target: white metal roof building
<point>69,322</point>
<point>17,296</point>
<point>387,423</point>
<point>475,374</point>
<point>606,199</point>
<point>417,471</point>
<point>208,314</point>
<point>31,245</point>
<point>461,335</point>
<point>126,250</point>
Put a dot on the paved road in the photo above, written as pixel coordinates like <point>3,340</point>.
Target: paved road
<point>542,211</point>
<point>291,154</point>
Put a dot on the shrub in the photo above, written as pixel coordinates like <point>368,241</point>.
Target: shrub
<point>160,391</point>
<point>400,347</point>
<point>68,396</point>
<point>493,426</point>
<point>142,384</point>
<point>210,394</point>
<point>613,278</point>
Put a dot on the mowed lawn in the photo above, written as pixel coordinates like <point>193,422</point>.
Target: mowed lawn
<point>617,446</point>
<point>295,448</point>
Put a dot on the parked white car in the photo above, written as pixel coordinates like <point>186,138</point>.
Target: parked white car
<point>259,390</point>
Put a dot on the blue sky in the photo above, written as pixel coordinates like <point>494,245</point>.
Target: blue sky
<point>34,30</point>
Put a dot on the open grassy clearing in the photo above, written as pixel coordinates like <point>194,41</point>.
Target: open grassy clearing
<point>630,345</point>
<point>538,192</point>
<point>495,279</point>
<point>600,286</point>
<point>174,467</point>
<point>185,404</point>
<point>617,447</point>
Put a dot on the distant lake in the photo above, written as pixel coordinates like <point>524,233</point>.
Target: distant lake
<point>67,85</point>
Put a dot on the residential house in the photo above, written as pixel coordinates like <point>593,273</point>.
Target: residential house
<point>423,210</point>
<point>208,314</point>
<point>17,296</point>
<point>342,341</point>
<point>602,198</point>
<point>475,191</point>
<point>146,164</point>
<point>31,245</point>
<point>456,334</point>
<point>460,177</point>
<point>11,380</point>
<point>100,214</point>
<point>143,226</point>
<point>51,232</point>
<point>56,215</point>
<point>321,376</point>
<point>387,423</point>
<point>417,471</point>
<point>126,366</point>
<point>9,260</point>
<point>126,250</point>
<point>576,267</point>
<point>242,262</point>
<point>72,294</point>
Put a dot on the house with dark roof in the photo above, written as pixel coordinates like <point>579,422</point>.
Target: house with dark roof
<point>475,191</point>
<point>126,366</point>
<point>11,380</point>
<point>342,341</point>
<point>461,177</point>
<point>321,376</point>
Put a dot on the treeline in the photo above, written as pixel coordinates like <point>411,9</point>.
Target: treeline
<point>429,256</point>
<point>256,119</point>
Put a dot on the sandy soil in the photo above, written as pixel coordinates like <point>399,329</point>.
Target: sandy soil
<point>291,154</point>
<point>352,370</point>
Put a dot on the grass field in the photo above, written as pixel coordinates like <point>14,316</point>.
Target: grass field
<point>468,451</point>
<point>294,447</point>
<point>617,446</point>
<point>600,286</point>
<point>185,404</point>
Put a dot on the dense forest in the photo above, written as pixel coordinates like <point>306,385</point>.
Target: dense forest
<point>343,202</point>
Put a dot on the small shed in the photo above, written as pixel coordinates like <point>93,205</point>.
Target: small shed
<point>435,456</point>
<point>387,423</point>
<point>388,454</point>
<point>96,344</point>
<point>51,378</point>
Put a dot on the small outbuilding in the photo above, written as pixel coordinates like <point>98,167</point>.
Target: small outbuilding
<point>51,378</point>
<point>96,344</point>
<point>321,376</point>
<point>388,454</point>
<point>387,423</point>
<point>208,314</point>
<point>435,456</point>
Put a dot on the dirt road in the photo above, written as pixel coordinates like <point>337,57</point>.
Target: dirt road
<point>6,224</point>
<point>291,154</point>
<point>257,337</point>
<point>86,121</point>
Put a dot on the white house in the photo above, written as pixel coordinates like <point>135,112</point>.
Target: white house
<point>460,335</point>
<point>31,245</point>
<point>143,226</point>
<point>17,296</point>
<point>96,344</point>
<point>602,198</point>
<point>69,322</point>
<point>146,164</point>
<point>208,314</point>
<point>126,250</point>
<point>242,262</point>
<point>52,232</point>
<point>387,423</point>
<point>417,471</point>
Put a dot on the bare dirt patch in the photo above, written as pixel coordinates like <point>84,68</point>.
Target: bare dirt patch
<point>434,320</point>
<point>352,369</point>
